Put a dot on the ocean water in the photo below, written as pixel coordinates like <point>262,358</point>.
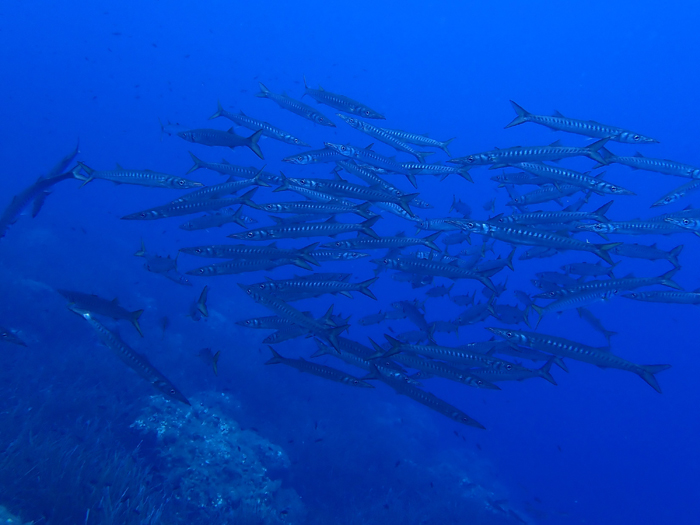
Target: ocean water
<point>84,440</point>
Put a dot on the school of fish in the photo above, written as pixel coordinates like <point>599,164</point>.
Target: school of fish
<point>301,229</point>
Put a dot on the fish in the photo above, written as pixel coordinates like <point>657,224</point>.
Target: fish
<point>687,223</point>
<point>217,191</point>
<point>218,219</point>
<point>501,158</point>
<point>539,252</point>
<point>244,251</point>
<point>268,130</point>
<point>420,140</point>
<point>98,305</point>
<point>592,320</point>
<point>566,176</point>
<point>177,209</point>
<point>356,354</point>
<point>369,156</point>
<point>601,357</point>
<point>589,128</point>
<point>518,374</point>
<point>231,170</point>
<point>517,234</point>
<point>316,156</point>
<point>640,162</point>
<point>343,189</point>
<point>318,327</point>
<point>316,287</point>
<point>296,107</point>
<point>543,194</point>
<point>386,138</point>
<point>549,217</point>
<point>519,179</point>
<point>226,139</point>
<point>170,128</point>
<point>392,243</point>
<point>314,208</point>
<point>574,301</point>
<point>211,359</point>
<point>414,311</point>
<point>650,253</point>
<point>440,291</point>
<point>9,336</point>
<point>324,371</point>
<point>438,170</point>
<point>433,402</point>
<point>434,268</point>
<point>156,263</point>
<point>460,207</point>
<point>131,358</point>
<point>237,266</point>
<point>337,255</point>
<point>286,334</point>
<point>341,102</point>
<point>371,319</point>
<point>678,193</point>
<point>371,178</point>
<point>138,177</point>
<point>629,282</point>
<point>328,228</point>
<point>589,270</point>
<point>666,296</point>
<point>199,307</point>
<point>635,227</point>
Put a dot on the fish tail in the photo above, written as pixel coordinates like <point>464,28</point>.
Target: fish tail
<point>264,92</point>
<point>363,210</point>
<point>77,175</point>
<point>420,155</point>
<point>540,312</point>
<point>258,178</point>
<point>202,301</point>
<point>198,163</point>
<point>237,216</point>
<point>87,169</point>
<point>544,372</point>
<point>647,373</point>
<point>142,251</point>
<point>301,263</point>
<point>560,363</point>
<point>253,143</point>
<point>378,351</point>
<point>608,334</point>
<point>429,241</point>
<point>592,151</point>
<point>599,214</point>
<point>135,321</point>
<point>322,349</point>
<point>464,173</point>
<point>412,179</point>
<point>215,362</point>
<point>487,282</point>
<point>509,260</point>
<point>666,280</point>
<point>601,250</point>
<point>364,287</point>
<point>276,358</point>
<point>522,117</point>
<point>454,203</point>
<point>673,255</point>
<point>284,185</point>
<point>304,253</point>
<point>219,111</point>
<point>367,226</point>
<point>395,346</point>
<point>245,198</point>
<point>443,146</point>
<point>333,334</point>
<point>404,200</point>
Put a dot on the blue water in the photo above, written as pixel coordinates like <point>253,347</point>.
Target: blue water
<point>601,447</point>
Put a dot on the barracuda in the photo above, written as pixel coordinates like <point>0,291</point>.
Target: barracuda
<point>369,156</point>
<point>601,357</point>
<point>549,217</point>
<point>574,301</point>
<point>575,178</point>
<point>131,358</point>
<point>315,369</point>
<point>138,177</point>
<point>420,140</point>
<point>177,209</point>
<point>268,129</point>
<point>317,287</point>
<point>226,168</point>
<point>626,283</point>
<point>244,266</point>
<point>218,219</point>
<point>296,107</point>
<point>640,162</point>
<point>371,178</point>
<point>589,128</point>
<point>316,156</point>
<point>218,191</point>
<point>341,102</point>
<point>666,296</point>
<point>98,305</point>
<point>678,193</point>
<point>226,139</point>
<point>500,158</point>
<point>636,227</point>
<point>356,354</point>
<point>397,242</point>
<point>438,269</point>
<point>329,228</point>
<point>519,374</point>
<point>317,208</point>
<point>530,237</point>
<point>386,138</point>
<point>650,253</point>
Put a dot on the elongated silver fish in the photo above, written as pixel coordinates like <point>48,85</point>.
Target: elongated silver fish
<point>226,168</point>
<point>420,140</point>
<point>501,158</point>
<point>435,268</point>
<point>601,357</point>
<point>217,191</point>
<point>337,255</point>
<point>640,162</point>
<point>650,253</point>
<point>242,266</point>
<point>317,208</point>
<point>592,320</point>
<point>324,371</point>
<point>549,217</point>
<point>131,358</point>
<point>177,209</point>
<point>635,227</point>
<point>575,301</point>
<point>226,139</point>
<point>341,102</point>
<point>575,178</point>
<point>373,179</point>
<point>138,177</point>
<point>518,374</point>
<point>218,219</point>
<point>625,283</point>
<point>666,296</point>
<point>296,107</point>
<point>678,193</point>
<point>98,305</point>
<point>396,242</point>
<point>328,228</point>
<point>369,156</point>
<point>313,288</point>
<point>589,128</point>
<point>268,130</point>
<point>386,138</point>
<point>244,251</point>
<point>542,194</point>
<point>316,156</point>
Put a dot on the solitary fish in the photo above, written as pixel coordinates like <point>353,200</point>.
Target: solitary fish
<point>589,128</point>
<point>315,369</point>
<point>340,102</point>
<point>100,306</point>
<point>131,358</point>
<point>296,107</point>
<point>226,139</point>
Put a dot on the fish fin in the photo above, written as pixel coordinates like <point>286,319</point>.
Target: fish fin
<point>522,115</point>
<point>202,301</point>
<point>252,143</point>
<point>592,151</point>
<point>555,144</point>
<point>443,146</point>
<point>673,255</point>
<point>264,93</point>
<point>600,212</point>
<point>666,280</point>
<point>557,114</point>
<point>219,111</point>
<point>647,373</point>
<point>198,163</point>
<point>276,358</point>
<point>602,251</point>
<point>364,288</point>
<point>135,320</point>
<point>544,371</point>
<point>367,226</point>
<point>215,362</point>
<point>142,251</point>
<point>429,241</point>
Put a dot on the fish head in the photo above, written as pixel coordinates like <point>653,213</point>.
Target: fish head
<point>513,337</point>
<point>601,227</point>
<point>336,245</point>
<point>471,226</point>
<point>82,312</point>
<point>250,235</point>
<point>297,142</point>
<point>145,215</point>
<point>169,390</point>
<point>365,112</point>
<point>629,137</point>
<point>301,158</point>
<point>249,323</point>
<point>272,207</point>
<point>205,270</point>
<point>668,199</point>
<point>351,121</point>
<point>187,135</point>
<point>322,120</point>
<point>688,223</point>
<point>548,294</point>
<point>613,189</point>
<point>343,149</point>
<point>180,183</point>
<point>384,263</point>
<point>10,337</point>
<point>309,184</point>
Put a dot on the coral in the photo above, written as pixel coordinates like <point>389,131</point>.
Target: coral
<point>220,468</point>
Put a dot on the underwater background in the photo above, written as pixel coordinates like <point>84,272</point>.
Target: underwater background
<point>84,440</point>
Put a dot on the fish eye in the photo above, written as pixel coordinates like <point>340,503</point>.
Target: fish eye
<point>302,181</point>
<point>144,214</point>
<point>613,188</point>
<point>470,224</point>
<point>250,235</point>
<point>181,183</point>
<point>338,244</point>
<point>509,366</point>
<point>470,158</point>
<point>355,382</point>
<point>479,382</point>
<point>262,286</point>
<point>552,293</point>
<point>198,250</point>
<point>296,141</point>
<point>248,321</point>
<point>249,291</point>
<point>300,158</point>
<point>686,221</point>
<point>636,137</point>
<point>509,334</point>
<point>201,270</point>
<point>172,391</point>
<point>320,119</point>
<point>386,261</point>
<point>343,148</point>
